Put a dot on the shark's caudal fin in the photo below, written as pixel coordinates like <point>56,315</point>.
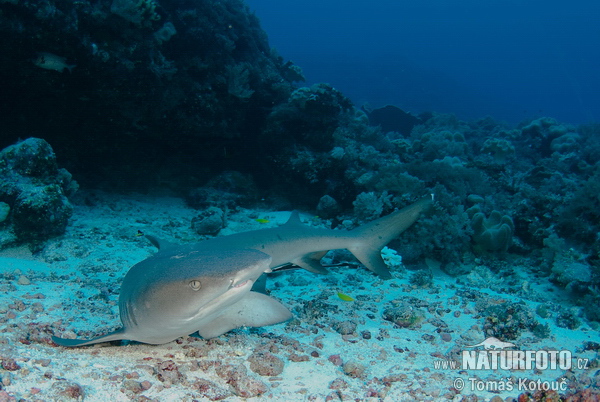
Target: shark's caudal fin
<point>70,343</point>
<point>373,236</point>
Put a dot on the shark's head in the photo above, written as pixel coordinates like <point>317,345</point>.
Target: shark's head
<point>183,291</point>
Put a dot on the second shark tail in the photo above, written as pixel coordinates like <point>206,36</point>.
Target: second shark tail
<point>373,236</point>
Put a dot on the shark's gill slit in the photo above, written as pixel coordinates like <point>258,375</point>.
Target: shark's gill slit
<point>239,285</point>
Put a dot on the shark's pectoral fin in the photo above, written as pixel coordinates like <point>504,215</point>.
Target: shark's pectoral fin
<point>69,343</point>
<point>253,310</point>
<point>311,262</point>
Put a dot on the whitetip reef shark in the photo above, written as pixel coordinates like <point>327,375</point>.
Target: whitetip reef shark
<point>206,286</point>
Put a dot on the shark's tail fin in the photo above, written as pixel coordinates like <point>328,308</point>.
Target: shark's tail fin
<point>373,236</point>
<point>70,343</point>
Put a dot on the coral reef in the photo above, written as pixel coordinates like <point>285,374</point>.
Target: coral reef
<point>134,102</point>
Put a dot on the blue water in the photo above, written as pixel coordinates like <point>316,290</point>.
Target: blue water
<point>510,59</point>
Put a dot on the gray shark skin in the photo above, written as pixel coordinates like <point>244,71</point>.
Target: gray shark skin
<point>206,286</point>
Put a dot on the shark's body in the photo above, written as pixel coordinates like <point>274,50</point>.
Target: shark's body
<point>159,303</point>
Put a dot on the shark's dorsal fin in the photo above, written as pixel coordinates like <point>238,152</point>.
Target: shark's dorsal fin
<point>294,219</point>
<point>160,244</point>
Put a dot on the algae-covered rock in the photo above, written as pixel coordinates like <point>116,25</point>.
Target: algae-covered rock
<point>33,157</point>
<point>209,222</point>
<point>35,190</point>
<point>41,212</point>
<point>328,207</point>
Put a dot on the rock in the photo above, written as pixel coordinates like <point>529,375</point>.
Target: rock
<point>209,222</point>
<point>10,364</point>
<point>243,385</point>
<point>266,364</point>
<point>328,207</point>
<point>344,327</point>
<point>168,372</point>
<point>33,157</point>
<point>404,316</point>
<point>65,390</point>
<point>567,272</point>
<point>23,280</point>
<point>353,369</point>
<point>41,213</point>
<point>210,390</point>
<point>134,387</point>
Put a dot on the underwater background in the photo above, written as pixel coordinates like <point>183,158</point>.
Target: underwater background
<point>512,60</point>
<point>190,119</point>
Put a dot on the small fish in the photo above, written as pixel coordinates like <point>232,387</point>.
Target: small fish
<point>51,61</point>
<point>260,220</point>
<point>344,297</point>
<point>139,233</point>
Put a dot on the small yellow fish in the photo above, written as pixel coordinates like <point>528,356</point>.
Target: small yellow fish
<point>51,61</point>
<point>139,233</point>
<point>260,220</point>
<point>344,297</point>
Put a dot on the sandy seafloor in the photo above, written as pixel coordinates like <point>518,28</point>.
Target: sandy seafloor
<point>71,287</point>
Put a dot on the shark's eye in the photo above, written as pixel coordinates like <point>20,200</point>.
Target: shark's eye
<point>195,285</point>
